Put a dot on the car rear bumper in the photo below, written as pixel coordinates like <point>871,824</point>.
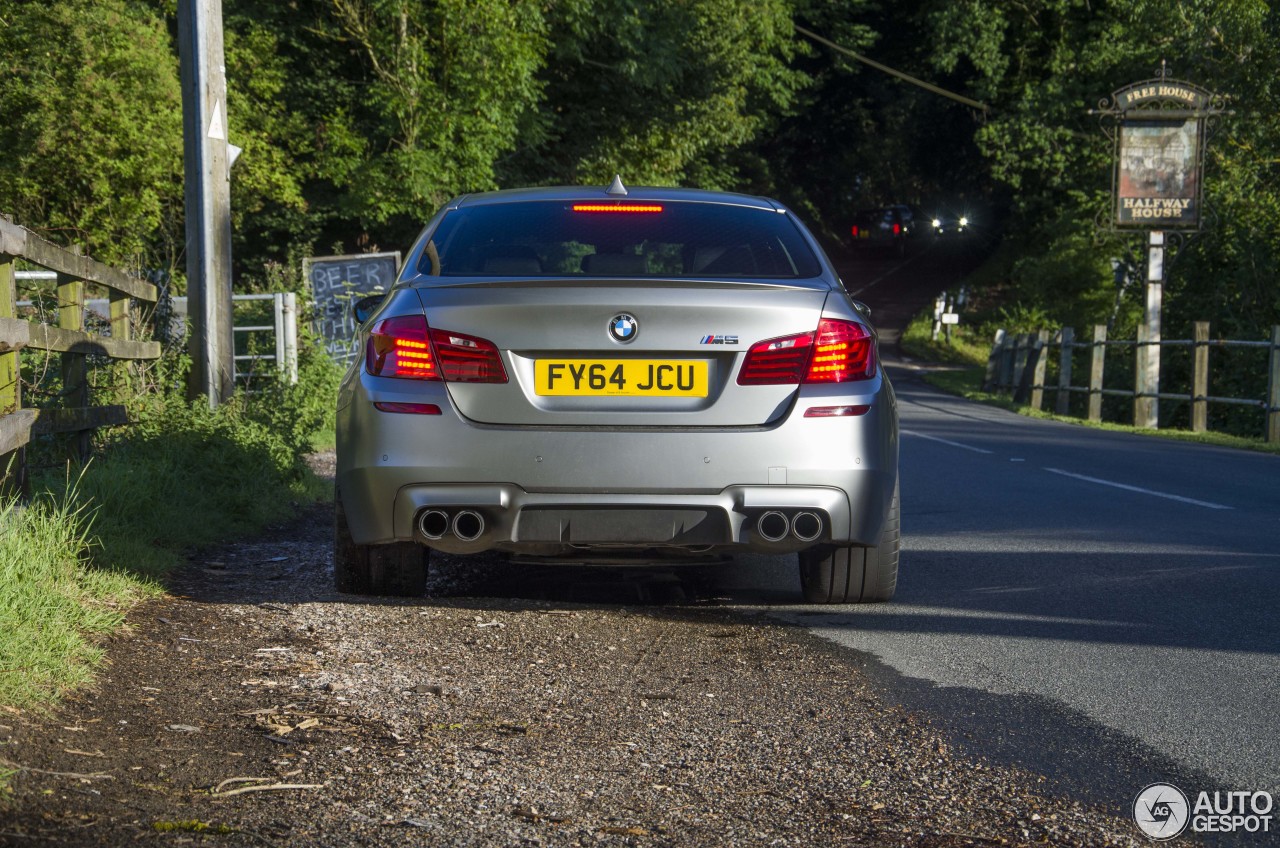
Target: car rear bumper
<point>461,487</point>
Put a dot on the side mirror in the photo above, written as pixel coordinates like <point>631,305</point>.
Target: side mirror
<point>863,309</point>
<point>366,306</point>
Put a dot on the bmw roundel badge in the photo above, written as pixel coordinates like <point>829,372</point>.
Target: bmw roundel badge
<point>623,328</point>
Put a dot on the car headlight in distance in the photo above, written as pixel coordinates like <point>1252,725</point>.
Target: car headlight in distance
<point>937,224</point>
<point>964,222</point>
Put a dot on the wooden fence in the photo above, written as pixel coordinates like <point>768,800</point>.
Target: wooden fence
<point>1018,363</point>
<point>69,338</point>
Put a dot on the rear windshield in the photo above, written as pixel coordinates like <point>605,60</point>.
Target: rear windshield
<point>875,217</point>
<point>656,239</point>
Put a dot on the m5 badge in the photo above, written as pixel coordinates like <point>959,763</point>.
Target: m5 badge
<point>719,340</point>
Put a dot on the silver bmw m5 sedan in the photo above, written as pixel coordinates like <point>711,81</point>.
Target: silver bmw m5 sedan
<point>602,374</point>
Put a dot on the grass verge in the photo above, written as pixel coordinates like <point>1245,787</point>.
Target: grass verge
<point>82,551</point>
<point>52,607</point>
<point>966,381</point>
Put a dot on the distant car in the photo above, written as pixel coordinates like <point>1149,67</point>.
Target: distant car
<point>582,375</point>
<point>949,224</point>
<point>885,228</point>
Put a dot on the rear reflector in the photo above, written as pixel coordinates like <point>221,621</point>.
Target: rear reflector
<point>404,346</point>
<point>836,411</point>
<point>839,352</point>
<point>616,207</point>
<point>409,408</point>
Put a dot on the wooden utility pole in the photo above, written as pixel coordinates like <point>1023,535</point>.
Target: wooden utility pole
<point>208,200</point>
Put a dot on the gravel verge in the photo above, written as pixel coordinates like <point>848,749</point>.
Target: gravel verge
<point>256,706</point>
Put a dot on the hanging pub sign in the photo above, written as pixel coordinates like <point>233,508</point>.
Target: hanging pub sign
<point>1159,128</point>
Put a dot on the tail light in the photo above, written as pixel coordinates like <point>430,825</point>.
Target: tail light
<point>897,229</point>
<point>854,228</point>
<point>405,346</point>
<point>839,352</point>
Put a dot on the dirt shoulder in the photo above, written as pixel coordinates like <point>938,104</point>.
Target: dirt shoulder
<point>256,706</point>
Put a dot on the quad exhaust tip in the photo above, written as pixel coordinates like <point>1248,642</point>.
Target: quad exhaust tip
<point>433,523</point>
<point>806,526</point>
<point>774,526</point>
<point>467,525</point>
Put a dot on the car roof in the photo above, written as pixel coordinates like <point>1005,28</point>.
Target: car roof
<point>647,193</point>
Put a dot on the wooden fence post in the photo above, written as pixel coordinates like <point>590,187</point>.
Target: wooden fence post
<point>120,306</point>
<point>1067,336</point>
<point>1020,351</point>
<point>75,366</point>
<point>1007,353</point>
<point>1146,378</point>
<point>1095,371</point>
<point>11,452</point>
<point>1037,363</point>
<point>993,362</point>
<point>1200,377</point>
<point>1273,388</point>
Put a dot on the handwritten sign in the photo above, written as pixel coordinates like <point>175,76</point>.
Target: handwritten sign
<point>339,281</point>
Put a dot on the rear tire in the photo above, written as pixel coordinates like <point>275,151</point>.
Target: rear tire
<point>853,575</point>
<point>398,569</point>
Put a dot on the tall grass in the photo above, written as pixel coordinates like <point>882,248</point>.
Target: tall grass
<point>53,607</point>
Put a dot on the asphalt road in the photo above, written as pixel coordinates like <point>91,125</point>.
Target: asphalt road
<point>1099,607</point>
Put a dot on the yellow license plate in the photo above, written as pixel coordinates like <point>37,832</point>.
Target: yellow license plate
<point>620,377</point>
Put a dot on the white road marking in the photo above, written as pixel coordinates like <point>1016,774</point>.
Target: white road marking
<point>1139,489</point>
<point>943,441</point>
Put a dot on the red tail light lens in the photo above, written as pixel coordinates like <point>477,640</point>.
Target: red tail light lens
<point>897,228</point>
<point>843,352</point>
<point>776,361</point>
<point>468,359</point>
<point>839,352</point>
<point>854,229</point>
<point>404,346</point>
<point>400,347</point>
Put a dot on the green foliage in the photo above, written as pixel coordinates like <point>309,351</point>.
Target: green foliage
<point>1044,63</point>
<point>446,84</point>
<point>300,414</point>
<point>658,91</point>
<point>92,126</point>
<point>186,476</point>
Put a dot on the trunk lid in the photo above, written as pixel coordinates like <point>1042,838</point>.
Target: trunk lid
<point>672,362</point>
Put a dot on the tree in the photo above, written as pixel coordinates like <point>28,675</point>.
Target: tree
<point>1044,63</point>
<point>661,92</point>
<point>92,127</point>
<point>447,85</point>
